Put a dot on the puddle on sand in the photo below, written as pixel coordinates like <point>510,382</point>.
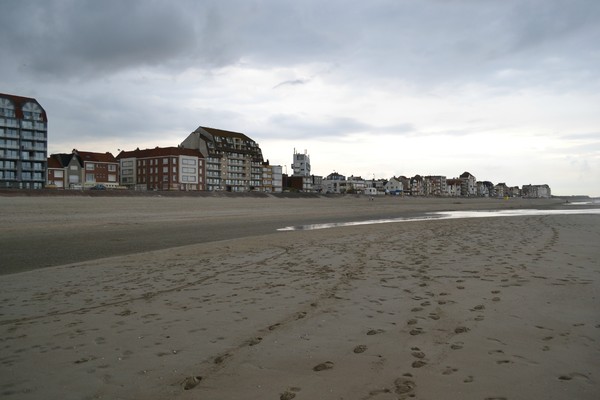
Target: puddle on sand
<point>442,215</point>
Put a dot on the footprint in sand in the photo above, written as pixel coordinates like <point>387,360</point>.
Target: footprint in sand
<point>568,377</point>
<point>449,371</point>
<point>404,385</point>
<point>221,358</point>
<point>468,379</point>
<point>411,321</point>
<point>375,332</point>
<point>416,331</point>
<point>418,364</point>
<point>417,353</point>
<point>461,329</point>
<point>289,394</point>
<point>457,346</point>
<point>254,341</point>
<point>323,366</point>
<point>361,348</point>
<point>191,382</point>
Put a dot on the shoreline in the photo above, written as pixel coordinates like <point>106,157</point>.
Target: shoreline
<point>39,232</point>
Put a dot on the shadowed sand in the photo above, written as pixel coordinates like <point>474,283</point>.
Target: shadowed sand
<point>487,308</point>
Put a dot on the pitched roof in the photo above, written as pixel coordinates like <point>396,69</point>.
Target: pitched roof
<point>20,101</point>
<point>220,132</point>
<point>96,157</point>
<point>160,152</point>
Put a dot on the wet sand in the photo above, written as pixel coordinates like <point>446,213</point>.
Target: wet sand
<point>487,308</point>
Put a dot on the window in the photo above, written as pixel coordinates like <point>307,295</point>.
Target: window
<point>188,170</point>
<point>165,170</point>
<point>165,160</point>
<point>89,178</point>
<point>89,166</point>
<point>112,167</point>
<point>112,178</point>
<point>58,173</point>
<point>128,163</point>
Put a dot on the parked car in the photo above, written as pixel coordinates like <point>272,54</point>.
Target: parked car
<point>98,187</point>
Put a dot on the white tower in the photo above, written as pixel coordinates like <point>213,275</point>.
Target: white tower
<point>301,164</point>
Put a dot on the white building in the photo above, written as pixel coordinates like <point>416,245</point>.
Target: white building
<point>301,164</point>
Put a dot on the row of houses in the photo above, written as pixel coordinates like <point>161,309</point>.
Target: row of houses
<point>466,185</point>
<point>207,159</point>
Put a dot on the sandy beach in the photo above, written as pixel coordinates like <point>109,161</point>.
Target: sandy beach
<point>202,298</point>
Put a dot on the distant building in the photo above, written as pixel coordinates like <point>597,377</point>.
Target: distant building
<point>234,162</point>
<point>394,186</point>
<point>468,185</point>
<point>435,185</point>
<point>536,191</point>
<point>334,183</point>
<point>453,187</point>
<point>23,143</point>
<point>301,164</point>
<point>272,178</point>
<point>162,168</point>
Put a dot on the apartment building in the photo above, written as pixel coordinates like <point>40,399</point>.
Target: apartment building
<point>234,162</point>
<point>272,178</point>
<point>23,143</point>
<point>162,168</point>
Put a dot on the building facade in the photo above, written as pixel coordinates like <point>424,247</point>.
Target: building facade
<point>23,143</point>
<point>301,164</point>
<point>234,162</point>
<point>162,168</point>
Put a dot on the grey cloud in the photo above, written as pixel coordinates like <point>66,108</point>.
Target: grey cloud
<point>426,42</point>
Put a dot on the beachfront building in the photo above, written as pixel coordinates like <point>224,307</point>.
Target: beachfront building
<point>272,178</point>
<point>234,162</point>
<point>453,187</point>
<point>23,143</point>
<point>301,164</point>
<point>417,186</point>
<point>435,185</point>
<point>468,185</point>
<point>56,173</point>
<point>334,183</point>
<point>83,169</point>
<point>485,189</point>
<point>162,168</point>
<point>536,191</point>
<point>394,186</point>
<point>501,190</point>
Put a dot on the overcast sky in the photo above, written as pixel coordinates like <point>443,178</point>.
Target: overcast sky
<point>506,90</point>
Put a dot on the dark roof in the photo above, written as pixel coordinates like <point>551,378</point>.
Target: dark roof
<point>96,157</point>
<point>20,101</point>
<point>220,132</point>
<point>61,159</point>
<point>160,152</point>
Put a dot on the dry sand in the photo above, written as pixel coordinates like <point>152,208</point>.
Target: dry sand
<point>487,308</point>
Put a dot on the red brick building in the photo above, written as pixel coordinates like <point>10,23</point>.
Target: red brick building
<point>162,168</point>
